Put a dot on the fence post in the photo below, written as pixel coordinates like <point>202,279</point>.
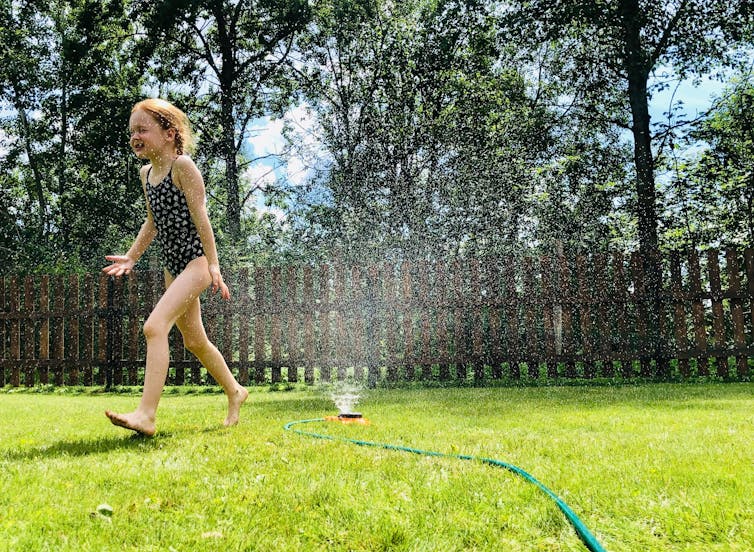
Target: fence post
<point>110,334</point>
<point>736,311</point>
<point>679,316</point>
<point>29,332</point>
<point>44,330</point>
<point>697,311</point>
<point>15,333</point>
<point>718,317</point>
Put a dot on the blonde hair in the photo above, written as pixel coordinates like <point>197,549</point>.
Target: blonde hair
<point>169,116</point>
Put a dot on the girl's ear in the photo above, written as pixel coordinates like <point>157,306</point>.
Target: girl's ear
<point>171,132</point>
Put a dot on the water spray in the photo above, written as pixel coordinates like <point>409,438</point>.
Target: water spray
<point>589,540</point>
<point>346,396</point>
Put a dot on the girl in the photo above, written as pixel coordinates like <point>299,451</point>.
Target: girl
<point>177,217</point>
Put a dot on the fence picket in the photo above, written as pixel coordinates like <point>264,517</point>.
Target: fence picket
<point>496,353</point>
<point>29,323</point>
<point>374,325</point>
<point>260,330</point>
<point>358,312</point>
<point>72,345</point>
<point>44,330</point>
<point>477,321</point>
<point>275,330</point>
<point>718,315</point>
<point>15,334</point>
<point>425,355</point>
<point>620,299</point>
<point>243,326</point>
<point>511,315</point>
<point>604,330</point>
<point>548,322</point>
<point>116,325</point>
<point>566,294</point>
<point>585,318</point>
<point>390,320</point>
<point>327,352</point>
<point>408,325</point>
<point>680,333</point>
<point>133,328</point>
<point>640,297</point>
<point>87,308</point>
<point>697,312</point>
<point>293,313</point>
<point>532,303</point>
<point>736,310</point>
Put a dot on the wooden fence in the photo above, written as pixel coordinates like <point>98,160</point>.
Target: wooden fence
<point>583,316</point>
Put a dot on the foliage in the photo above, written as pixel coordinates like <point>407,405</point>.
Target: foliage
<point>709,200</point>
<point>438,143</point>
<point>613,48</point>
<point>438,128</point>
<point>68,183</point>
<point>224,62</point>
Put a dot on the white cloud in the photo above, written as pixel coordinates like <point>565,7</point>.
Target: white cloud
<point>307,150</point>
<point>260,175</point>
<point>266,136</point>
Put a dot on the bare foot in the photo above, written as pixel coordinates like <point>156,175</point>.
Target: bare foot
<point>234,406</point>
<point>133,421</point>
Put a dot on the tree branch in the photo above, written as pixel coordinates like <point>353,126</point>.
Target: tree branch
<point>666,34</point>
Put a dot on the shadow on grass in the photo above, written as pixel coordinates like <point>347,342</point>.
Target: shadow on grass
<point>102,445</point>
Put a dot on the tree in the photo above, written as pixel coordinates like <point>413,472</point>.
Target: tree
<point>431,136</point>
<point>66,85</point>
<point>230,55</point>
<point>615,48</point>
<point>715,188</point>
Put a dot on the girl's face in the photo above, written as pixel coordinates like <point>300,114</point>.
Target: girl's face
<point>148,138</point>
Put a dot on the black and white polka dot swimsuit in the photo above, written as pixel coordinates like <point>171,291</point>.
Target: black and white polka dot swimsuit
<point>176,232</point>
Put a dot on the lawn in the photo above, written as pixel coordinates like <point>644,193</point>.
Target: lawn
<point>645,467</point>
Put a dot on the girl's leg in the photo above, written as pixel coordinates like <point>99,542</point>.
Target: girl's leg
<point>195,340</point>
<point>178,296</point>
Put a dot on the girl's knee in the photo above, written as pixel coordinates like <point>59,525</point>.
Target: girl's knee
<point>154,329</point>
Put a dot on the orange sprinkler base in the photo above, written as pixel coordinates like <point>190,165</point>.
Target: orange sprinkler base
<point>347,419</point>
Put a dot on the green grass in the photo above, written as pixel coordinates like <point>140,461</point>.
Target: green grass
<point>647,467</point>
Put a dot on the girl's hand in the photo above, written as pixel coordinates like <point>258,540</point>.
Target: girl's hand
<point>217,282</point>
<point>122,264</point>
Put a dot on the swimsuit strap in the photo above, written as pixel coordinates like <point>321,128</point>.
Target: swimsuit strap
<point>170,172</point>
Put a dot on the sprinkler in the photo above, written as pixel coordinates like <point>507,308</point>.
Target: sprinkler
<point>348,418</point>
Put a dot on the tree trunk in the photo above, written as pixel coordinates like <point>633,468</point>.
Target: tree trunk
<point>637,69</point>
<point>228,74</point>
<point>38,185</point>
<point>62,161</point>
<point>233,207</point>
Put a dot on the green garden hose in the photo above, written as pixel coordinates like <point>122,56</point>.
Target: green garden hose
<point>581,530</point>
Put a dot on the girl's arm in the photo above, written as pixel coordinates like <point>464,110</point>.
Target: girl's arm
<point>123,264</point>
<point>189,180</point>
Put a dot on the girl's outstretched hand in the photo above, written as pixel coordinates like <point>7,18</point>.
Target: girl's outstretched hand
<point>217,282</point>
<point>122,264</point>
